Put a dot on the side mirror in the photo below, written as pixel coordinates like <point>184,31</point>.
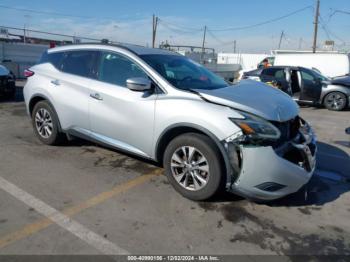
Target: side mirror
<point>318,80</point>
<point>138,84</point>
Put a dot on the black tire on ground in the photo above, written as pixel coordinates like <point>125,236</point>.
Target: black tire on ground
<point>56,137</point>
<point>335,101</point>
<point>208,148</point>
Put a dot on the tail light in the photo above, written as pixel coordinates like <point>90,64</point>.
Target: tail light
<point>28,73</point>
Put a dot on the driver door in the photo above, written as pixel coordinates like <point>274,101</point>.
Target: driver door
<point>311,87</point>
<point>120,117</point>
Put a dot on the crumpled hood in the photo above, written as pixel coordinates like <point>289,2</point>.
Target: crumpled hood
<point>256,98</point>
<point>341,80</point>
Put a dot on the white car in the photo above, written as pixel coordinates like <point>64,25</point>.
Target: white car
<point>209,136</point>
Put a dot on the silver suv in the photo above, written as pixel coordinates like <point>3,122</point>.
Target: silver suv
<point>209,135</point>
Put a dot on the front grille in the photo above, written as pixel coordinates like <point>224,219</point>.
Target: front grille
<point>288,129</point>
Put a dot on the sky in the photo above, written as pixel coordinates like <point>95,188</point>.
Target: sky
<point>182,21</point>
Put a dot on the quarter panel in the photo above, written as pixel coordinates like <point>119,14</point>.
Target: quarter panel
<point>335,88</point>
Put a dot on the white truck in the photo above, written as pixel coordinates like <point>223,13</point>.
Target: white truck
<point>330,64</point>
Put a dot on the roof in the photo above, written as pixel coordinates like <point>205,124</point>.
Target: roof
<point>136,49</point>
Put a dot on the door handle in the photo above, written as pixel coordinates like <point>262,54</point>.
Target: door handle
<point>96,96</point>
<point>55,82</point>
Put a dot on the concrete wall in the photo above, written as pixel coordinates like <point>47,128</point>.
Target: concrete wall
<point>21,55</point>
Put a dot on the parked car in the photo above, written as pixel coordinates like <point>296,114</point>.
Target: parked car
<point>209,135</point>
<point>307,86</point>
<point>330,64</point>
<point>7,82</point>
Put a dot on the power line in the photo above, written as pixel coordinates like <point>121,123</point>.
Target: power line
<point>338,12</point>
<point>181,27</point>
<point>50,33</point>
<point>222,43</point>
<point>329,32</point>
<point>175,30</point>
<point>43,12</point>
<point>265,22</point>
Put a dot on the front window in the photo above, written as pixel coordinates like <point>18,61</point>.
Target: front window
<point>311,75</point>
<point>116,69</point>
<point>184,73</point>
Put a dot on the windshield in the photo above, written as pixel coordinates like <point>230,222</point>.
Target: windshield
<point>184,73</point>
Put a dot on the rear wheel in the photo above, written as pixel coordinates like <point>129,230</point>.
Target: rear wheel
<point>193,166</point>
<point>335,101</point>
<point>46,125</point>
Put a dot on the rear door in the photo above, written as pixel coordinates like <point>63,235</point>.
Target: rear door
<point>120,117</point>
<point>277,74</point>
<point>70,87</point>
<point>311,86</point>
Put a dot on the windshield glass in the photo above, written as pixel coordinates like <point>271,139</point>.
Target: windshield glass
<point>184,73</point>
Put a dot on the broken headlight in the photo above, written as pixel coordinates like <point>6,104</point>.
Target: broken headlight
<point>257,128</point>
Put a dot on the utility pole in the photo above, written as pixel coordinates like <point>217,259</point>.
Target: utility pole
<point>203,44</point>
<point>317,14</point>
<point>300,43</point>
<point>234,46</point>
<point>24,33</point>
<point>281,38</point>
<point>154,30</point>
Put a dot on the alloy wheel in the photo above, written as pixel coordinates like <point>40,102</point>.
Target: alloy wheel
<point>335,101</point>
<point>190,168</point>
<point>43,123</point>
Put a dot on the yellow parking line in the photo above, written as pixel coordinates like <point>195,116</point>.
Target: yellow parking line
<point>71,211</point>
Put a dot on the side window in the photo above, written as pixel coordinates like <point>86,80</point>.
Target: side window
<point>306,76</point>
<point>53,58</point>
<point>275,72</point>
<point>116,69</point>
<point>79,63</point>
<point>280,74</point>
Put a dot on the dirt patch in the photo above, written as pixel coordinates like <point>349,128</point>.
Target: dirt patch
<point>308,210</point>
<point>267,235</point>
<point>304,210</point>
<point>208,206</point>
<point>121,161</point>
<point>19,112</point>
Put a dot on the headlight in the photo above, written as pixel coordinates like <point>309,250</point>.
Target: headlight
<point>256,128</point>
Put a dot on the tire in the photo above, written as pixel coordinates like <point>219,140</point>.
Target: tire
<point>49,132</point>
<point>335,101</point>
<point>197,183</point>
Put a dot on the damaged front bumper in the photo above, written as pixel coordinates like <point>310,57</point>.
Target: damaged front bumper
<point>268,172</point>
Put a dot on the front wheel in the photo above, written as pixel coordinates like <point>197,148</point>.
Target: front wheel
<point>335,101</point>
<point>193,166</point>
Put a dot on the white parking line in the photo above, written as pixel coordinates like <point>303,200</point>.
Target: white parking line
<point>103,245</point>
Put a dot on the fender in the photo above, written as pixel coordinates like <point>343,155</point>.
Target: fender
<point>205,131</point>
<point>37,95</point>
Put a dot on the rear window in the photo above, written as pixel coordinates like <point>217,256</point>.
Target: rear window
<point>79,63</point>
<point>52,58</point>
<point>275,72</point>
